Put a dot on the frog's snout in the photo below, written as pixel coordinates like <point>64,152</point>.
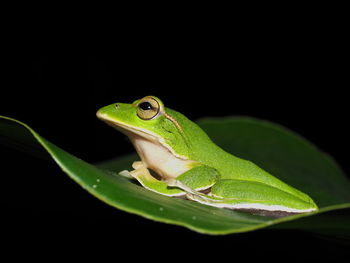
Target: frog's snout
<point>106,111</point>
<point>99,114</point>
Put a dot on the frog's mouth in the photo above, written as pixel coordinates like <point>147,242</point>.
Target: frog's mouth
<point>132,131</point>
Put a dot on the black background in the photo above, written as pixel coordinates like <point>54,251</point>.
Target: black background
<point>294,76</point>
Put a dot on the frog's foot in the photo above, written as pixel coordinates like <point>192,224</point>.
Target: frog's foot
<point>176,183</point>
<point>199,197</point>
<point>126,174</point>
<point>145,178</point>
<point>204,199</point>
<point>139,167</point>
<point>191,194</point>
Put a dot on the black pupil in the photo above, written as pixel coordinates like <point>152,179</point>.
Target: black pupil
<point>145,106</point>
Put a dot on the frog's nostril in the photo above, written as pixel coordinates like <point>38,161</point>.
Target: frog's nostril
<point>116,106</point>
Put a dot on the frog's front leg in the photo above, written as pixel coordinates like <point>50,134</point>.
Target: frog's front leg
<point>144,177</point>
<point>189,183</point>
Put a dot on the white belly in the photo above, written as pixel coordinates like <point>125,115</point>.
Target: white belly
<point>158,158</point>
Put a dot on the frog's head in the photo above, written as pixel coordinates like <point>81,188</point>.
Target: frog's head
<point>147,118</point>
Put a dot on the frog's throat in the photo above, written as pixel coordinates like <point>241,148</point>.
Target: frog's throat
<point>146,134</point>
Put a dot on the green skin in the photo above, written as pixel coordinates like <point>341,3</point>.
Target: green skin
<point>231,182</point>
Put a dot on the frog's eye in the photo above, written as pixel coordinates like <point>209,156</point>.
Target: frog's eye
<point>148,108</point>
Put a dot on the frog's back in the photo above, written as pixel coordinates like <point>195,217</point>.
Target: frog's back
<point>232,167</point>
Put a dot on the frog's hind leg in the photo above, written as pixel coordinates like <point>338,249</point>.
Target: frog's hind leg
<point>191,193</point>
<point>257,198</point>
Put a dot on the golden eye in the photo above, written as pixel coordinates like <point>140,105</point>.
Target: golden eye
<point>148,108</point>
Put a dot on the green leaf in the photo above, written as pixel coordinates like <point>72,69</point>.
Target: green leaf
<point>279,151</point>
